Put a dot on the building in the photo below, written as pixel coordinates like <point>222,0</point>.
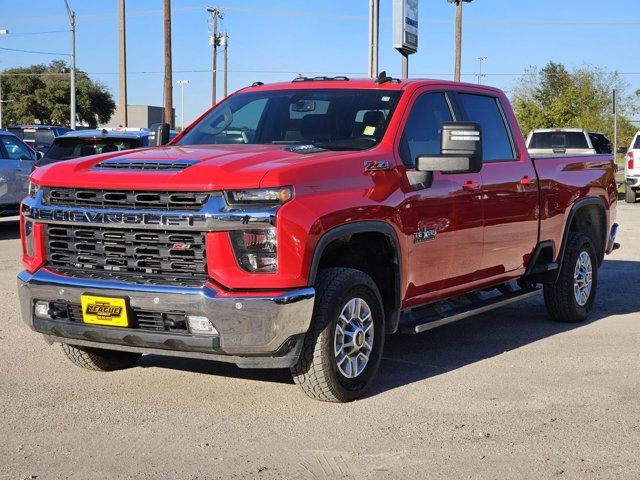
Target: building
<point>139,116</point>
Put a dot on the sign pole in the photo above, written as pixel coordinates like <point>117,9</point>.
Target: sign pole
<point>405,30</point>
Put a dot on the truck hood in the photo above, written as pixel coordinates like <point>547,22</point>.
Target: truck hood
<point>212,167</point>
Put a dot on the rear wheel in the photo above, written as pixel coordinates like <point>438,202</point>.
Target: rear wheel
<point>571,297</point>
<point>629,194</point>
<point>100,359</point>
<point>343,348</point>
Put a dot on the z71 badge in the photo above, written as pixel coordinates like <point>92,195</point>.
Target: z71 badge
<point>425,235</point>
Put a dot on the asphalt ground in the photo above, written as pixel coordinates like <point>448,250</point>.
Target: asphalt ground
<point>508,394</point>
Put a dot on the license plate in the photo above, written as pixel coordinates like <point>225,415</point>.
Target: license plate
<point>104,311</point>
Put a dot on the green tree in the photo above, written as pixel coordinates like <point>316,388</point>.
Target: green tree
<point>555,97</point>
<point>41,94</point>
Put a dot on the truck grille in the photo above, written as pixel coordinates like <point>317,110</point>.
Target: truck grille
<point>128,255</point>
<point>125,199</point>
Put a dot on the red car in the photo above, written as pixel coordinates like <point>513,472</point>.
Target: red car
<point>294,225</point>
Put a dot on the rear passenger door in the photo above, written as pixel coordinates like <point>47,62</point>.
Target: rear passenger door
<point>509,188</point>
<point>15,167</point>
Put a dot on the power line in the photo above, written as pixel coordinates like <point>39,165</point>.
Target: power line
<point>23,34</point>
<point>295,72</point>
<point>32,51</point>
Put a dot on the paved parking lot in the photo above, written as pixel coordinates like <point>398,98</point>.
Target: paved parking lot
<point>504,395</point>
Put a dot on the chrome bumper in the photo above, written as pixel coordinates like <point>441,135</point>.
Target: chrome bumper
<point>254,331</point>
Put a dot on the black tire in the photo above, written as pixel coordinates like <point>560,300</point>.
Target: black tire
<point>629,194</point>
<point>316,371</point>
<point>559,297</point>
<point>99,359</point>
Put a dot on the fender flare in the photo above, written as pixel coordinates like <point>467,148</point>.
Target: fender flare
<point>352,228</point>
<point>583,202</point>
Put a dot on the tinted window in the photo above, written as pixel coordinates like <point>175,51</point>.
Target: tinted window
<point>68,148</point>
<point>16,150</point>
<point>558,140</point>
<point>335,119</point>
<point>636,144</point>
<point>496,143</point>
<point>421,134</point>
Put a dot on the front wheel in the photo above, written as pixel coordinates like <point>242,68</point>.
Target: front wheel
<point>571,297</point>
<point>343,348</point>
<point>629,194</point>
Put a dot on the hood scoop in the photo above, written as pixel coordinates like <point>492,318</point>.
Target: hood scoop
<point>156,165</point>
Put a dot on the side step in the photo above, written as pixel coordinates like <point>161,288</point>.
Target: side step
<point>428,318</point>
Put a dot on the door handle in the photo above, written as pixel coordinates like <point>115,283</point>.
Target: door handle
<point>471,185</point>
<point>527,180</point>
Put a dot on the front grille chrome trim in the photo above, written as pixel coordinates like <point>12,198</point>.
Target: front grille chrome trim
<point>215,215</point>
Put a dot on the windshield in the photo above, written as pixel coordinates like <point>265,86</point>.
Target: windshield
<point>335,119</point>
<point>73,147</point>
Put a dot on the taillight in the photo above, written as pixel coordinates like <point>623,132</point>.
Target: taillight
<point>630,161</point>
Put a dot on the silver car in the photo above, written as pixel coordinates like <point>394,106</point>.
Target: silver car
<point>543,142</point>
<point>16,164</point>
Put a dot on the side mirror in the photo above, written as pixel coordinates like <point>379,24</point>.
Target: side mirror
<point>460,150</point>
<point>39,155</point>
<point>623,150</point>
<point>161,137</point>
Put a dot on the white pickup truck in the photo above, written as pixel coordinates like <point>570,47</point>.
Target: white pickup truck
<point>632,170</point>
<point>543,142</point>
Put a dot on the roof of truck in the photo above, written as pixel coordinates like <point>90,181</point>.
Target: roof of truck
<point>360,83</point>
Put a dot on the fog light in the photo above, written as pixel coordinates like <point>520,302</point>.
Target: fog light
<point>41,310</point>
<point>201,325</point>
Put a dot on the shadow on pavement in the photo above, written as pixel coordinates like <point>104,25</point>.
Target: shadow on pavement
<point>9,229</point>
<point>412,358</point>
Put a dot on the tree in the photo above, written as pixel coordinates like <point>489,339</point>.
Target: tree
<point>555,97</point>
<point>41,94</point>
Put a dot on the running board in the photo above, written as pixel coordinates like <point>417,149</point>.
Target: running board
<point>427,322</point>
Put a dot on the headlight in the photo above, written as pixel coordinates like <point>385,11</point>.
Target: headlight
<point>267,196</point>
<point>255,249</point>
<point>34,188</point>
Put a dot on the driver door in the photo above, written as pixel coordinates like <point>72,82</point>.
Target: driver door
<point>441,213</point>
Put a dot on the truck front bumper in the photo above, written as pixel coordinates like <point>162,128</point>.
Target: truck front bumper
<point>253,330</point>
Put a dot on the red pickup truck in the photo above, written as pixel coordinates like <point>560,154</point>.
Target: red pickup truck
<point>294,225</point>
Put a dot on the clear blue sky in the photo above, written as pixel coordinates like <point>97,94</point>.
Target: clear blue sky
<point>285,37</point>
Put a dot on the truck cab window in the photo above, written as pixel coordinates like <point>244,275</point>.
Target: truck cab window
<point>421,133</point>
<point>496,142</point>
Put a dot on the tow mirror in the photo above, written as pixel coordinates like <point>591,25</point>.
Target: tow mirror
<point>161,137</point>
<point>460,150</point>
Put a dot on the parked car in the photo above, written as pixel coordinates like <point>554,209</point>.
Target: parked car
<point>38,137</point>
<point>16,163</point>
<point>83,143</point>
<point>351,209</point>
<point>566,141</point>
<point>632,170</point>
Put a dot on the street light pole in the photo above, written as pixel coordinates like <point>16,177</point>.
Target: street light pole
<point>182,83</point>
<point>374,36</point>
<point>72,22</point>
<point>480,60</point>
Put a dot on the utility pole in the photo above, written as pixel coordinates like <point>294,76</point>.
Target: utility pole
<point>225,42</point>
<point>122,85</point>
<point>72,22</point>
<point>374,36</point>
<point>458,60</point>
<point>3,31</point>
<point>214,42</point>
<point>182,83</point>
<point>615,125</point>
<point>480,60</point>
<point>168,78</point>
